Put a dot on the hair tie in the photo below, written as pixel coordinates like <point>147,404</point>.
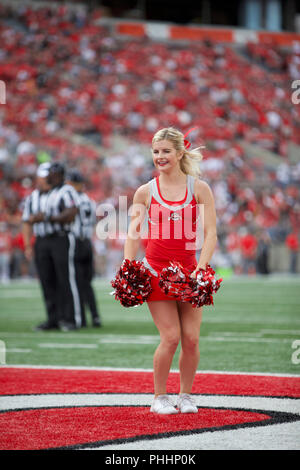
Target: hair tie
<point>187,143</point>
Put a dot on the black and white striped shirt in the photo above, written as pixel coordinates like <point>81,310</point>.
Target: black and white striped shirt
<point>59,199</point>
<point>85,219</point>
<point>33,204</point>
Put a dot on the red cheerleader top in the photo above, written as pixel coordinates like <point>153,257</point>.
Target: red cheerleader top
<point>172,227</point>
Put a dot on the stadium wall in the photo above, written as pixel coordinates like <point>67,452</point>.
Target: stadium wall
<point>165,31</point>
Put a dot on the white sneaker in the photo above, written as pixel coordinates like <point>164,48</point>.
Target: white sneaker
<point>186,404</point>
<point>163,405</point>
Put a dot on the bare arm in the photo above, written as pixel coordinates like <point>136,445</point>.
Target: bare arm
<point>138,211</point>
<point>205,197</point>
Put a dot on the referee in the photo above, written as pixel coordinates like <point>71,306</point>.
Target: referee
<point>60,210</point>
<point>33,224</point>
<point>83,229</point>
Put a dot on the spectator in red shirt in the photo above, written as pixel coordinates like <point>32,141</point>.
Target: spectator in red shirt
<point>249,249</point>
<point>20,267</point>
<point>292,243</point>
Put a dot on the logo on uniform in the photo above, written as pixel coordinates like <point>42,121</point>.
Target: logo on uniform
<point>175,216</point>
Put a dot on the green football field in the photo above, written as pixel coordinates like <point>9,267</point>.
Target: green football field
<point>252,327</point>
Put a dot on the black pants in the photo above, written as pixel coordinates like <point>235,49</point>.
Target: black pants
<point>85,272</point>
<point>55,259</point>
<point>46,274</point>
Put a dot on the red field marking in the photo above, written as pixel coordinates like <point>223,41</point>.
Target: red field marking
<point>60,427</point>
<point>14,381</point>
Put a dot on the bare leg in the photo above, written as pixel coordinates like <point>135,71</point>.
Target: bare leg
<point>190,321</point>
<point>166,318</point>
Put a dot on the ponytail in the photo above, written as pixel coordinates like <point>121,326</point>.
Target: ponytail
<point>190,161</point>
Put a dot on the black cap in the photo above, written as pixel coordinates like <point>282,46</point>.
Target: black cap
<point>75,176</point>
<point>57,167</point>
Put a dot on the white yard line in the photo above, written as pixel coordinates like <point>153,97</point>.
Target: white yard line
<point>280,332</point>
<point>68,345</point>
<point>245,339</point>
<point>152,339</point>
<point>17,293</point>
<point>18,350</point>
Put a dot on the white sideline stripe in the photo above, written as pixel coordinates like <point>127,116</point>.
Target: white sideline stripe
<point>129,369</point>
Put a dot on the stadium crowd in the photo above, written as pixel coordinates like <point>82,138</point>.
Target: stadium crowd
<point>72,86</point>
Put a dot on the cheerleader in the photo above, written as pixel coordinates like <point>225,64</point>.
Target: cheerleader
<point>172,203</point>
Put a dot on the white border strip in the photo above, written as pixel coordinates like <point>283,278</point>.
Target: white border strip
<point>120,369</point>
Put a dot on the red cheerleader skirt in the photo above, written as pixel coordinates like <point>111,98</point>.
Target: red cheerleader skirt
<point>155,270</point>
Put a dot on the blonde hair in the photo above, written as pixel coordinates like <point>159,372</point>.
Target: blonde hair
<point>190,161</point>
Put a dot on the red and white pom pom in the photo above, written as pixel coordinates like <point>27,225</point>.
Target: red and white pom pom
<point>132,283</point>
<point>174,280</point>
<point>177,282</point>
<point>205,286</point>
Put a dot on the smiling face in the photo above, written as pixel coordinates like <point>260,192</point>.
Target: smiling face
<point>165,156</point>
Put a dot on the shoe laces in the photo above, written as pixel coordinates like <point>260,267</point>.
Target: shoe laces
<point>186,399</point>
<point>165,400</point>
